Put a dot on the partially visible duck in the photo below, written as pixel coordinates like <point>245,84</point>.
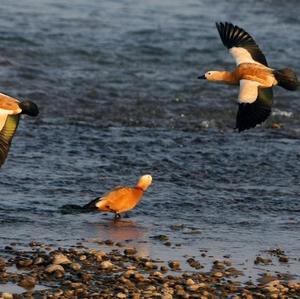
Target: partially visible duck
<point>123,199</point>
<point>10,111</point>
<point>253,75</point>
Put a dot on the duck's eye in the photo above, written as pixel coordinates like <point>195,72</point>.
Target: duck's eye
<point>209,73</point>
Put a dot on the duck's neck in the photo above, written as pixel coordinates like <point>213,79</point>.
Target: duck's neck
<point>224,76</point>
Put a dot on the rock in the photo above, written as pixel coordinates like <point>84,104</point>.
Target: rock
<point>76,285</point>
<point>121,295</point>
<point>59,293</point>
<point>263,261</point>
<point>39,260</point>
<point>193,287</point>
<point>150,265</point>
<point>24,263</point>
<point>53,268</point>
<point>218,274</point>
<point>151,288</point>
<point>99,255</point>
<point>161,238</point>
<point>276,126</point>
<point>158,274</point>
<point>2,264</point>
<point>7,296</point>
<point>190,282</point>
<point>106,265</point>
<point>27,282</point>
<point>109,242</point>
<point>61,259</point>
<point>75,266</point>
<point>283,259</point>
<point>130,251</point>
<point>82,257</point>
<point>194,264</point>
<point>174,265</point>
<point>129,273</point>
<point>202,285</point>
<point>294,284</point>
<point>139,277</point>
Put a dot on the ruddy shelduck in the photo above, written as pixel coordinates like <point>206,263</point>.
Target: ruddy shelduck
<point>253,76</point>
<point>10,111</point>
<point>123,199</point>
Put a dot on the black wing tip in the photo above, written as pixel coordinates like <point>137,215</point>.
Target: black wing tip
<point>251,115</point>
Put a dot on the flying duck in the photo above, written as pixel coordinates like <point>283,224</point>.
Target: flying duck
<point>10,111</point>
<point>123,199</point>
<point>253,76</point>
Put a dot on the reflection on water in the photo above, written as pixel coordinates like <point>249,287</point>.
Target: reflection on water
<point>123,230</point>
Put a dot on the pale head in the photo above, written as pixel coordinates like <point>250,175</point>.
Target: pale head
<point>212,76</point>
<point>144,182</point>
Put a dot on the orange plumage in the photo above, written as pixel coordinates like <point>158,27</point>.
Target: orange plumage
<point>123,199</point>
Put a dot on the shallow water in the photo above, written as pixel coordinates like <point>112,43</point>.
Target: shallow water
<point>119,97</point>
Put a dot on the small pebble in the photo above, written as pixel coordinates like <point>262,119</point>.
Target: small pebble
<point>52,268</point>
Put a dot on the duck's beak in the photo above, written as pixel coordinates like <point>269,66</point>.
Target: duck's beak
<point>202,77</point>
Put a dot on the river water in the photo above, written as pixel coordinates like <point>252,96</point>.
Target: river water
<point>118,93</point>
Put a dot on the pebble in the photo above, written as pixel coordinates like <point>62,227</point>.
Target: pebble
<point>82,257</point>
<point>189,282</point>
<point>53,268</point>
<point>24,263</point>
<point>135,277</point>
<point>75,266</point>
<point>130,251</point>
<point>174,265</point>
<point>39,260</point>
<point>129,273</point>
<point>99,255</point>
<point>60,259</point>
<point>27,282</point>
<point>193,287</point>
<point>150,265</point>
<point>263,261</point>
<point>2,264</point>
<point>218,274</point>
<point>7,296</point>
<point>283,259</point>
<point>106,265</point>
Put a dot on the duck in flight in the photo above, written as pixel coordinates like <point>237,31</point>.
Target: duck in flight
<point>10,111</point>
<point>123,199</point>
<point>253,76</point>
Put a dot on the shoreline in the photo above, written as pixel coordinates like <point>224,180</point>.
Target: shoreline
<point>108,269</point>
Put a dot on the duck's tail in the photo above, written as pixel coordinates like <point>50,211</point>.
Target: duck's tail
<point>286,78</point>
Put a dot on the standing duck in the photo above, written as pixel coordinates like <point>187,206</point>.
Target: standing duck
<point>123,199</point>
<point>253,75</point>
<point>10,111</point>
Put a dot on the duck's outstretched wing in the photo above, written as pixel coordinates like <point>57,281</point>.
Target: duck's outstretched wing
<point>6,134</point>
<point>251,114</point>
<point>241,45</point>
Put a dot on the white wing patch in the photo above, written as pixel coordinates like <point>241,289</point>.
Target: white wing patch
<point>9,112</point>
<point>241,55</point>
<point>3,118</point>
<point>248,91</point>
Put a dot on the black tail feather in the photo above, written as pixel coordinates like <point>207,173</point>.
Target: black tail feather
<point>286,78</point>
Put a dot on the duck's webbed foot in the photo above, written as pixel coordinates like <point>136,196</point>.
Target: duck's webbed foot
<point>117,216</point>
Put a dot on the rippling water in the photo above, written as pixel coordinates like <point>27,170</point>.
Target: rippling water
<point>119,97</point>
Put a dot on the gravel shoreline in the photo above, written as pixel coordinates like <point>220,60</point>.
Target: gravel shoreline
<point>83,272</point>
